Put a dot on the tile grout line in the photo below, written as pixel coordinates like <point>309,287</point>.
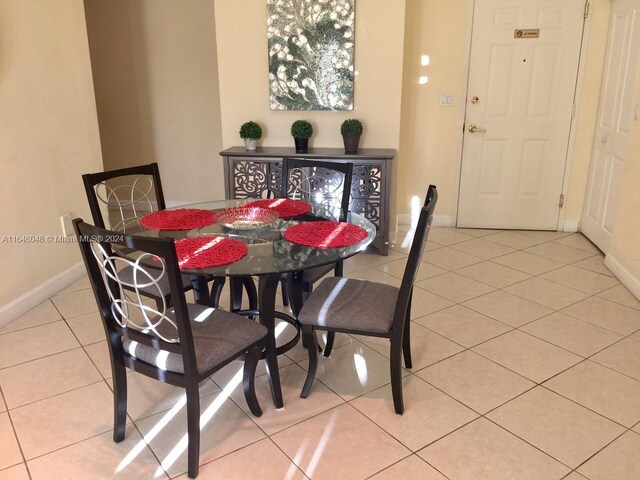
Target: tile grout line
<point>413,454</point>
<point>75,389</point>
<point>15,434</point>
<point>33,326</point>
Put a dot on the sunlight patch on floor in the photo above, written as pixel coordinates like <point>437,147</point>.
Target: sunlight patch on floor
<point>361,367</point>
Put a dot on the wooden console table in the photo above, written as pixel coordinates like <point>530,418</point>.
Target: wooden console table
<point>257,173</point>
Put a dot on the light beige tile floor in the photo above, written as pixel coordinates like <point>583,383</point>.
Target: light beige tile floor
<point>526,354</point>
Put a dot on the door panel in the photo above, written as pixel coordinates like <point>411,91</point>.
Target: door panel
<point>512,174</point>
<point>499,89</point>
<point>543,82</point>
<point>599,178</point>
<point>534,153</point>
<point>614,121</point>
<point>492,158</point>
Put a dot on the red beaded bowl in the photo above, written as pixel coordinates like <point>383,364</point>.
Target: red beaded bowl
<point>246,218</point>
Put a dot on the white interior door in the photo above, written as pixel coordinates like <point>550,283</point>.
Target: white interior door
<point>522,77</point>
<point>614,120</point>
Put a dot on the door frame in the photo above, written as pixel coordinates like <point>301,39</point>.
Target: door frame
<point>563,224</point>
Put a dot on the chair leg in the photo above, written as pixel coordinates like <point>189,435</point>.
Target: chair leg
<point>396,377</point>
<point>252,292</point>
<point>294,291</point>
<point>331,336</point>
<point>160,305</point>
<point>285,297</point>
<point>216,291</point>
<point>119,401</point>
<point>406,344</point>
<point>307,288</point>
<point>406,335</point>
<point>312,347</point>
<point>235,289</point>
<point>249,376</point>
<point>267,292</point>
<point>193,428</point>
<point>200,289</point>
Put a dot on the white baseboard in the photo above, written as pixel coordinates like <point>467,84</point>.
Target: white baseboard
<point>571,226</point>
<point>404,218</point>
<point>39,294</point>
<point>443,221</point>
<point>438,220</point>
<point>626,278</point>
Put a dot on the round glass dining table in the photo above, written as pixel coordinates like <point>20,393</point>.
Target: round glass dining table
<point>269,256</point>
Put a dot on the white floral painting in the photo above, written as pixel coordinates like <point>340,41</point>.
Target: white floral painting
<point>311,45</point>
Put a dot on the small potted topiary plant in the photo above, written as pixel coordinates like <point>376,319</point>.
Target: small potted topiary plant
<point>351,130</point>
<point>250,132</point>
<point>301,131</point>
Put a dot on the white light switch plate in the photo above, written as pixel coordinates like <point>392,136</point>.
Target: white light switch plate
<point>446,99</point>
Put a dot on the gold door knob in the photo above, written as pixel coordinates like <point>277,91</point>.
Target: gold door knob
<point>476,129</point>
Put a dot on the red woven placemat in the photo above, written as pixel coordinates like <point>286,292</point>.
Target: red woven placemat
<point>325,235</point>
<point>285,207</point>
<point>180,219</point>
<point>203,252</point>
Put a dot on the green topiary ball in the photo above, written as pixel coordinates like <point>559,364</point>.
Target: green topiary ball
<point>301,129</point>
<point>251,130</point>
<point>351,126</point>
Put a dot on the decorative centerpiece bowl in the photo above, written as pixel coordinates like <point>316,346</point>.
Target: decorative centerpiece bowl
<point>246,218</point>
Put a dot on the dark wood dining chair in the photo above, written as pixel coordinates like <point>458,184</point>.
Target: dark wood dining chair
<point>118,199</point>
<point>324,184</point>
<point>369,308</point>
<point>327,186</point>
<point>182,344</point>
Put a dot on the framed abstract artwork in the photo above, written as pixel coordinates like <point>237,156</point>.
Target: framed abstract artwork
<point>311,45</point>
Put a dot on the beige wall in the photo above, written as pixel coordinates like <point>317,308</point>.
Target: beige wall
<point>431,139</point>
<point>431,135</point>
<point>156,80</point>
<point>625,241</point>
<point>48,132</point>
<point>244,90</point>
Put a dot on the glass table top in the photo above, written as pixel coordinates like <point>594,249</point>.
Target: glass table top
<point>269,251</point>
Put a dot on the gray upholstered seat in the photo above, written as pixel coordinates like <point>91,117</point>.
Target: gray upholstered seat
<point>348,303</point>
<point>217,336</point>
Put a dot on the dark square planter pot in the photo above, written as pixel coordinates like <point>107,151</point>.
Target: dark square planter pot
<point>302,145</point>
<point>351,143</point>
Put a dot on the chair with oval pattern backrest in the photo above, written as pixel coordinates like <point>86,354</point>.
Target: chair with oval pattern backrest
<point>182,344</point>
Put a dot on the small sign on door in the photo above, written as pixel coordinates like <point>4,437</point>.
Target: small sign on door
<point>527,33</point>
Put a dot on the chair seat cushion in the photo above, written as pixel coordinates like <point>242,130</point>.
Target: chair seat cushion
<point>350,304</point>
<point>126,275</point>
<point>218,336</point>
